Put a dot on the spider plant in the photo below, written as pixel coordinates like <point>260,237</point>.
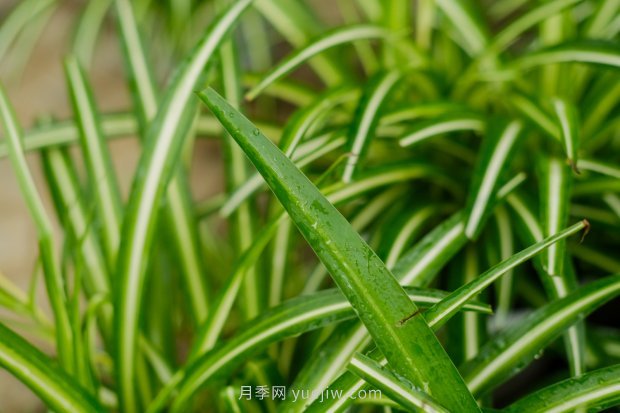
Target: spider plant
<point>407,190</point>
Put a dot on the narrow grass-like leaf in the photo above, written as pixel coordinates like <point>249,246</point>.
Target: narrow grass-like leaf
<point>54,282</point>
<point>603,16</point>
<point>366,119</point>
<point>452,303</point>
<point>555,193</point>
<point>535,113</point>
<point>154,171</point>
<point>17,20</point>
<point>513,348</point>
<point>242,223</point>
<point>65,189</point>
<point>444,124</point>
<point>410,226</point>
<point>302,122</point>
<point>601,53</point>
<point>613,201</point>
<point>467,22</point>
<point>404,394</point>
<point>97,159</point>
<point>298,25</point>
<point>291,318</point>
<point>325,42</point>
<point>347,257</point>
<point>178,212</point>
<point>495,154</point>
<point>596,390</point>
<point>88,29</point>
<point>534,16</point>
<point>603,168</point>
<point>569,126</point>
<point>58,390</point>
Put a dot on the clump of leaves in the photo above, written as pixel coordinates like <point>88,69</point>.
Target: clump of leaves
<point>431,149</point>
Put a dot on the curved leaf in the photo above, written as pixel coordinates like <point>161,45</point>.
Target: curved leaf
<point>162,148</point>
<point>596,390</point>
<point>59,391</point>
<point>327,41</point>
<point>510,351</point>
<point>404,394</point>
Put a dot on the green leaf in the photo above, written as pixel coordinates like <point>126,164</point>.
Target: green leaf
<point>19,17</point>
<point>324,42</point>
<point>58,390</point>
<point>363,278</point>
<point>178,210</point>
<point>598,53</point>
<point>404,394</point>
<point>97,159</point>
<point>161,152</point>
<point>528,20</point>
<point>452,303</point>
<point>569,127</point>
<point>443,124</point>
<point>54,281</point>
<point>297,24</point>
<point>366,119</point>
<point>291,318</point>
<point>512,349</point>
<point>496,148</point>
<point>468,24</point>
<point>596,390</point>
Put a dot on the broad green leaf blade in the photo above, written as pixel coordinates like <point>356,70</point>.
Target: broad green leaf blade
<point>58,390</point>
<point>291,318</point>
<point>325,42</point>
<point>97,159</point>
<point>595,390</point>
<point>338,193</point>
<point>513,348</point>
<point>366,119</point>
<point>404,394</point>
<point>569,126</point>
<point>444,124</point>
<point>54,281</point>
<point>452,303</point>
<point>162,149</point>
<point>363,278</point>
<point>496,149</point>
